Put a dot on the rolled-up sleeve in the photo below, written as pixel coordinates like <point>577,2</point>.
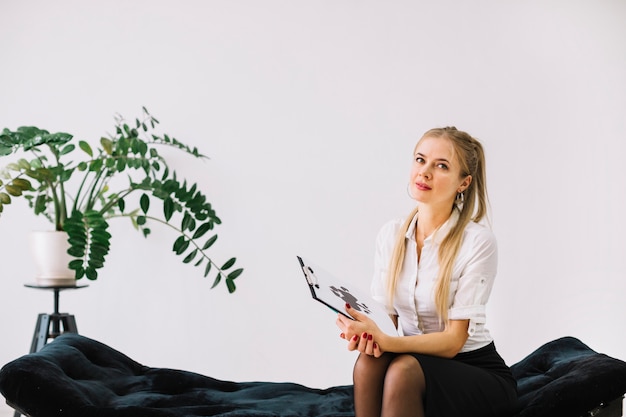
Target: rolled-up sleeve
<point>479,266</point>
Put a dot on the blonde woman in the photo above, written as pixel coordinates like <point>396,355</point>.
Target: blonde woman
<point>434,271</point>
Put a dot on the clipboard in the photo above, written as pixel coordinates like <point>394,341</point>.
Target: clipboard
<point>334,293</point>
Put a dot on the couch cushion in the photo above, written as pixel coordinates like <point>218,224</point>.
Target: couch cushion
<point>567,378</point>
<point>78,376</point>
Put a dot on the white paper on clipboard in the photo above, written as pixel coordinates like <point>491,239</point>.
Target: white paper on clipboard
<point>335,293</point>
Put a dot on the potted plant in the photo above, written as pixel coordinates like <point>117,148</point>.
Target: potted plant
<point>79,188</point>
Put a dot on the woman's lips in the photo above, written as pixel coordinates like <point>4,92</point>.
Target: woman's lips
<point>422,186</point>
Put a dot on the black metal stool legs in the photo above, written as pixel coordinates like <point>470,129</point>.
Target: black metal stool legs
<point>52,325</point>
<point>61,323</point>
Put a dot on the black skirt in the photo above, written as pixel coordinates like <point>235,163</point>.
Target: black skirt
<point>472,384</point>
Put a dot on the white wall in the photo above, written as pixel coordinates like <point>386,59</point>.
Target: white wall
<point>309,111</point>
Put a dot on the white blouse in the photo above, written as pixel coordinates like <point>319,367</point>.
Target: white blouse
<point>473,275</point>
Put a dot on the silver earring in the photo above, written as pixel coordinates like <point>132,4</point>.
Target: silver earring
<point>460,200</point>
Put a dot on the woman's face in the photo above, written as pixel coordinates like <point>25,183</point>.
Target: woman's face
<point>436,173</point>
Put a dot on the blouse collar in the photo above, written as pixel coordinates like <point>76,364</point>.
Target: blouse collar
<point>442,231</point>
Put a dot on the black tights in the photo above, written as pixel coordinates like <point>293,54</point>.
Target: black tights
<point>389,386</point>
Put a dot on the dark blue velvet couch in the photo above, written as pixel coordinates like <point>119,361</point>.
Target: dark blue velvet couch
<point>78,376</point>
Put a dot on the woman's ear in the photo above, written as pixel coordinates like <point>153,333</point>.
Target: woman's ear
<point>466,183</point>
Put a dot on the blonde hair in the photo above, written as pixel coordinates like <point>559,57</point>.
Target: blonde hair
<point>471,157</point>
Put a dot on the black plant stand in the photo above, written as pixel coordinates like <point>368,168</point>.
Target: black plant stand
<point>43,332</point>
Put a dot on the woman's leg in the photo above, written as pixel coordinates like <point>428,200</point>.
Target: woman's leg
<point>368,376</point>
<point>404,388</point>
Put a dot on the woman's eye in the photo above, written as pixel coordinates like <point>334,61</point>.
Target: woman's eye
<point>442,166</point>
<point>419,159</point>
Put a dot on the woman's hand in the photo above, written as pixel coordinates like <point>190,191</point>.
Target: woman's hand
<point>365,344</point>
<point>359,332</point>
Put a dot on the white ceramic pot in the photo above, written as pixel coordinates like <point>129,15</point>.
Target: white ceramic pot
<point>49,250</point>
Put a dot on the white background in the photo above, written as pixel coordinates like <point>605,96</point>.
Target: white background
<point>309,111</point>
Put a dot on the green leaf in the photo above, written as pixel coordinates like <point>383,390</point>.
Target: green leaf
<point>80,272</point>
<point>23,163</point>
<point>76,252</point>
<point>180,245</point>
<point>141,220</point>
<point>76,264</point>
<point>231,285</point>
<point>40,204</point>
<point>121,204</point>
<point>107,145</point>
<point>217,280</point>
<point>22,183</point>
<point>96,263</point>
<point>187,222</point>
<point>144,203</point>
<point>77,240</point>
<point>209,242</point>
<point>234,274</point>
<point>85,147</point>
<point>67,149</point>
<point>13,190</point>
<point>91,273</point>
<point>143,148</point>
<point>168,208</point>
<point>207,269</point>
<point>96,165</point>
<point>66,175</point>
<point>202,230</point>
<point>100,235</point>
<point>228,263</point>
<point>190,257</point>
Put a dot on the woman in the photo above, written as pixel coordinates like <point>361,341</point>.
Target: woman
<point>434,272</point>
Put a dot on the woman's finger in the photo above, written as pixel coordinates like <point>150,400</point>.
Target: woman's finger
<point>353,313</point>
<point>362,343</point>
<point>353,343</point>
<point>369,345</point>
<point>377,352</point>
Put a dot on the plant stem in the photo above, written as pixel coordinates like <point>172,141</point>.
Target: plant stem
<point>90,199</point>
<point>113,202</point>
<point>177,230</point>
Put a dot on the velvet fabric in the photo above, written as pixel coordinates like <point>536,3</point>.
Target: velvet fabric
<point>78,376</point>
<point>567,378</point>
